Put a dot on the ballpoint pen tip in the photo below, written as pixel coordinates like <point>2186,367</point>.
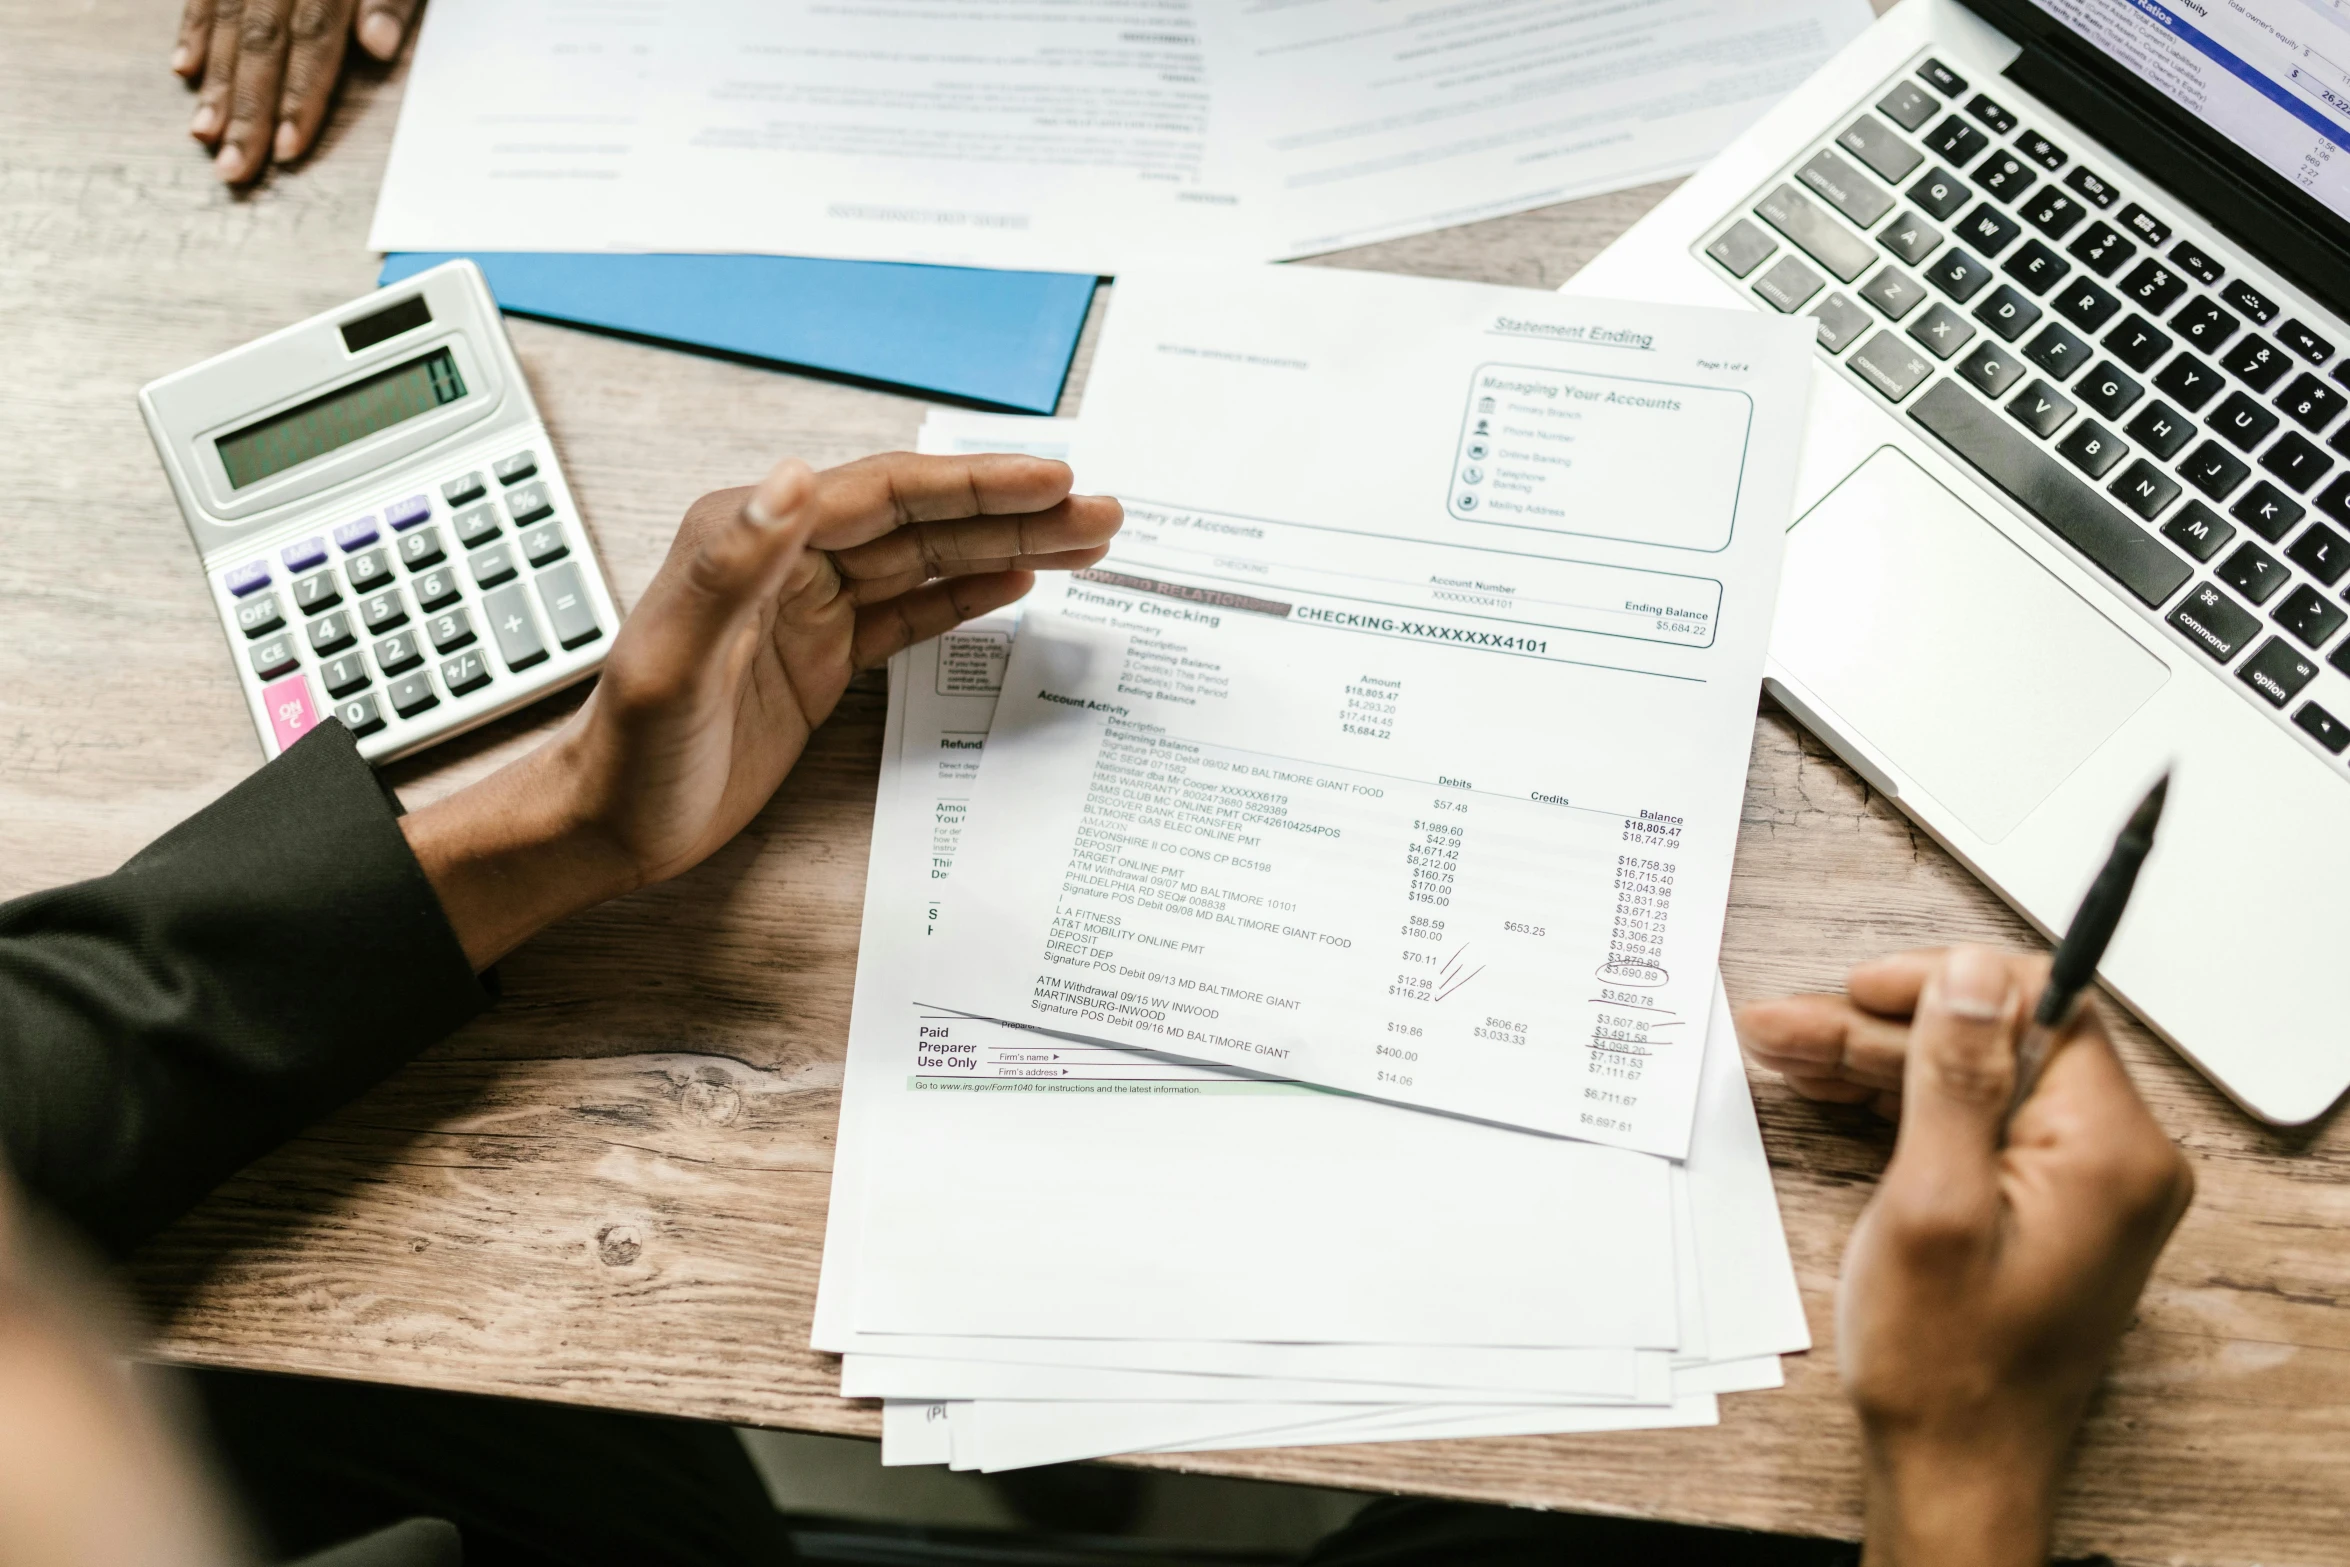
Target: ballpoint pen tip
<point>2149,810</point>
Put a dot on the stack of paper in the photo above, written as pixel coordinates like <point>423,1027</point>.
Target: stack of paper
<point>1429,656</point>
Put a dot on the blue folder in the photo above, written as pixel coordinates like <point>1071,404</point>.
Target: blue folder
<point>1001,338</point>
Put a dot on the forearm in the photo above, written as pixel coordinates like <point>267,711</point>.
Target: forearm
<point>1970,1509</point>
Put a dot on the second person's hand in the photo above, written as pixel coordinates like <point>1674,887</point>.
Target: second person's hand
<point>265,70</point>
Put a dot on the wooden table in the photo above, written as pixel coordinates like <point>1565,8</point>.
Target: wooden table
<point>611,1190</point>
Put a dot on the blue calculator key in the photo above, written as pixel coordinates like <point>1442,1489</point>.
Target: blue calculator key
<point>330,633</point>
<point>421,548</point>
<point>316,592</point>
<point>344,673</point>
<point>369,571</point>
<point>244,579</point>
<point>255,616</point>
<point>569,609</point>
<point>516,628</point>
<point>301,557</point>
<point>383,611</point>
<point>476,525</point>
<point>543,546</point>
<point>360,715</point>
<point>466,672</point>
<point>515,469</point>
<point>435,588</point>
<point>463,490</point>
<point>356,535</point>
<point>530,503</point>
<point>493,565</point>
<point>407,513</point>
<point>451,629</point>
<point>413,694</point>
<point>275,656</point>
<point>398,652</point>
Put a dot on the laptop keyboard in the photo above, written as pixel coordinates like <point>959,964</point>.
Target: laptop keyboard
<point>2155,403</point>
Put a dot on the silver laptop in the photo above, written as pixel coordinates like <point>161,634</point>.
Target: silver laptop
<point>2075,502</point>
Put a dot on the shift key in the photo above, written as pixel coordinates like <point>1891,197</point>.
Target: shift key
<point>515,626</point>
<point>1825,240</point>
<point>569,609</point>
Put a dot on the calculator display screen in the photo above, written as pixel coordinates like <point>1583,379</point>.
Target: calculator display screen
<point>340,417</point>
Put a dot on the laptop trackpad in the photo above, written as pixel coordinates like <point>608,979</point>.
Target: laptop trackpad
<point>1948,650</point>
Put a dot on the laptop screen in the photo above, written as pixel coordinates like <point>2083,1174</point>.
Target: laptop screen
<point>2271,76</point>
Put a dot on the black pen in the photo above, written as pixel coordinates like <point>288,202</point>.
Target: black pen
<point>2083,947</point>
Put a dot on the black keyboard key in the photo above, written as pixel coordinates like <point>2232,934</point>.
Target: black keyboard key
<point>2310,616</point>
<point>2253,572</point>
<point>2296,462</point>
<point>2204,325</point>
<point>1841,323</point>
<point>1741,248</point>
<point>2085,305</point>
<point>1872,141</point>
<point>2334,500</point>
<point>2101,250</point>
<point>1991,369</point>
<point>1943,79</point>
<point>2041,409</point>
<point>2007,312</point>
<point>2057,351</point>
<point>1991,114</point>
<point>2040,150</point>
<point>2266,510</point>
<point>2048,490</point>
<point>2145,489</point>
<point>2306,343</point>
<point>1821,237</point>
<point>2242,422</point>
<point>2321,552</point>
<point>1941,331</point>
<point>2215,470</point>
<point>2137,343</point>
<point>1890,365</point>
<point>1846,189</point>
<point>2162,430</point>
<point>1955,141</point>
<point>2323,727</point>
<point>2005,176</point>
<point>2195,263</point>
<point>1988,229</point>
<point>1908,105</point>
<point>1789,285</point>
<point>1958,274</point>
<point>2217,625</point>
<point>2278,671</point>
<point>2312,404</point>
<point>2153,287</point>
<point>2108,391</point>
<point>2198,530</point>
<point>2036,267</point>
<point>1939,194</point>
<point>2092,448</point>
<point>2145,225</point>
<point>2251,301</point>
<point>1894,292</point>
<point>2188,379</point>
<point>2256,362</point>
<point>2052,212</point>
<point>2089,185</point>
<point>1911,238</point>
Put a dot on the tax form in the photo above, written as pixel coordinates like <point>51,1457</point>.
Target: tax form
<point>1398,746</point>
<point>1085,136</point>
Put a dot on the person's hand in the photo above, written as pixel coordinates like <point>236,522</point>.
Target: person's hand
<point>771,598</point>
<point>1985,1285</point>
<point>265,70</point>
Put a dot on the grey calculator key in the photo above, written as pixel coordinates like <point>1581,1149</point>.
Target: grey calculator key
<point>476,525</point>
<point>274,656</point>
<point>317,591</point>
<point>368,570</point>
<point>1827,241</point>
<point>398,652</point>
<point>450,629</point>
<point>1893,291</point>
<point>466,672</point>
<point>529,503</point>
<point>1908,105</point>
<point>1741,247</point>
<point>1788,285</point>
<point>331,633</point>
<point>1872,141</point>
<point>360,715</point>
<point>493,565</point>
<point>256,615</point>
<point>420,549</point>
<point>383,611</point>
<point>436,588</point>
<point>1890,365</point>
<point>464,490</point>
<point>1911,238</point>
<point>569,609</point>
<point>515,626</point>
<point>412,694</point>
<point>1941,331</point>
<point>515,469</point>
<point>1841,322</point>
<point>544,546</point>
<point>1847,189</point>
<point>344,673</point>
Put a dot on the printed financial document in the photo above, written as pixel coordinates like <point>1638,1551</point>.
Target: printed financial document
<point>1398,746</point>
<point>1087,136</point>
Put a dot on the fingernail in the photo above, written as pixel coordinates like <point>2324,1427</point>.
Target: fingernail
<point>756,510</point>
<point>380,34</point>
<point>1975,985</point>
<point>289,140</point>
<point>182,59</point>
<point>206,121</point>
<point>229,162</point>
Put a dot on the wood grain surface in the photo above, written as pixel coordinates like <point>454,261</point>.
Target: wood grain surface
<point>611,1190</point>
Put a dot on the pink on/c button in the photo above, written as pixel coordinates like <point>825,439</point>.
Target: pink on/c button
<point>292,713</point>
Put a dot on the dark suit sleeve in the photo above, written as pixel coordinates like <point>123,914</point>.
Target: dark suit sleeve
<point>256,966</point>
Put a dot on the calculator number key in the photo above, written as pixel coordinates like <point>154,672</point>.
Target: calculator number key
<point>360,714</point>
<point>384,611</point>
<point>398,653</point>
<point>450,630</point>
<point>369,570</point>
<point>421,549</point>
<point>344,673</point>
<point>318,591</point>
<point>331,633</point>
<point>466,672</point>
<point>436,588</point>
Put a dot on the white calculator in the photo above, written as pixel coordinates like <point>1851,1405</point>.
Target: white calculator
<point>381,519</point>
